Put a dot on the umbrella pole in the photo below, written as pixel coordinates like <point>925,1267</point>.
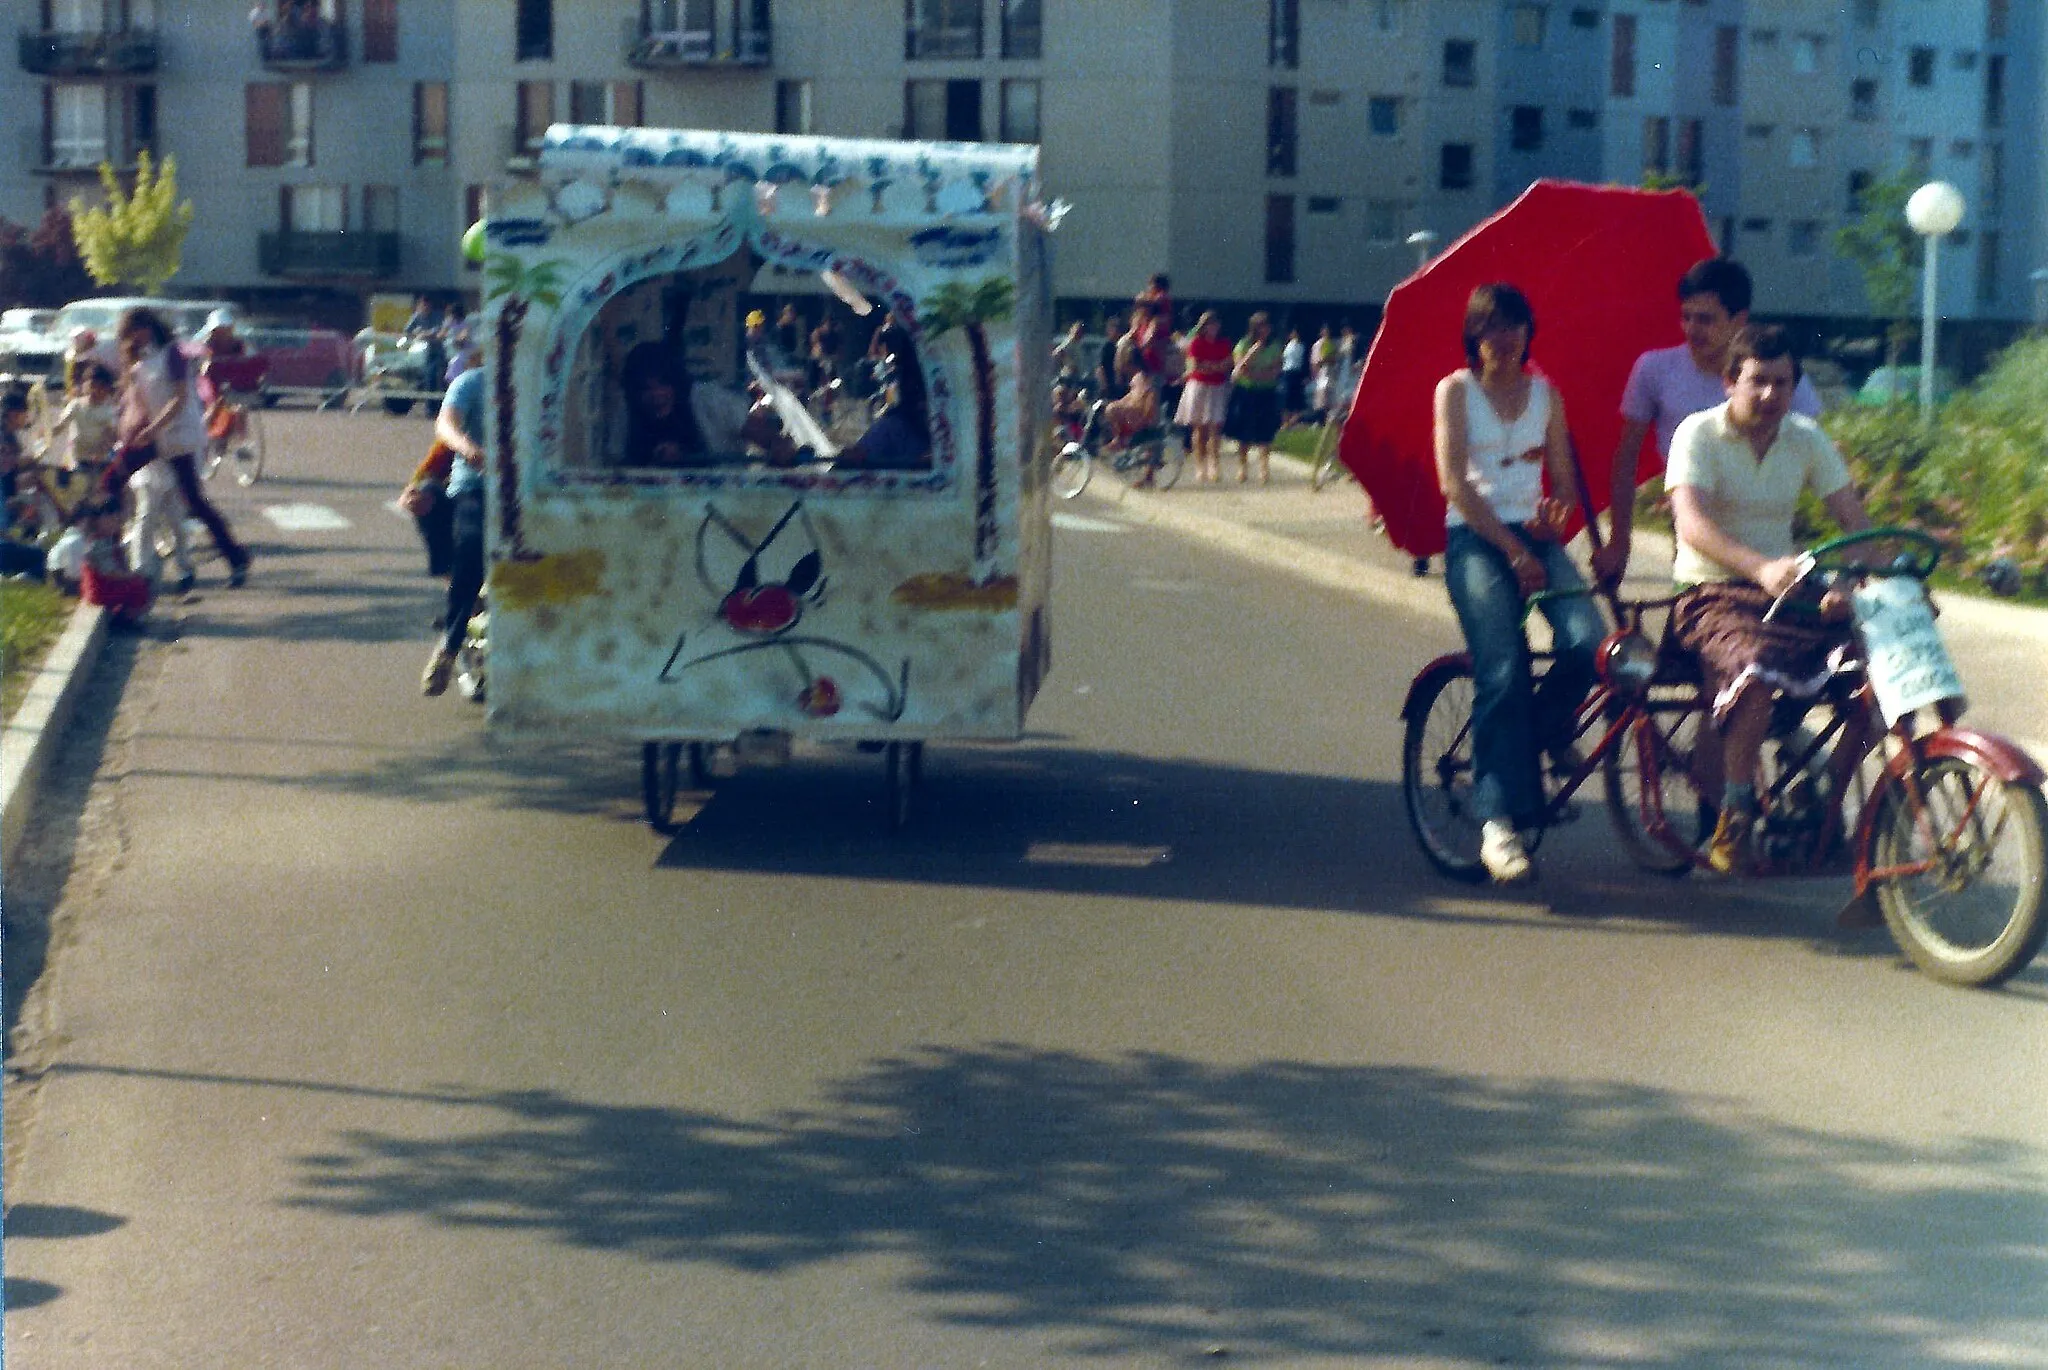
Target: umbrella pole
<point>1610,593</point>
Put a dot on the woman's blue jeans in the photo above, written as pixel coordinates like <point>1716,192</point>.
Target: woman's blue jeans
<point>1511,722</point>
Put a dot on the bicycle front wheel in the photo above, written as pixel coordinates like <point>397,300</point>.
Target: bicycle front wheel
<point>1975,916</point>
<point>1436,775</point>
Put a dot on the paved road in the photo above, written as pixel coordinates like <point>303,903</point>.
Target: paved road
<point>369,1043</point>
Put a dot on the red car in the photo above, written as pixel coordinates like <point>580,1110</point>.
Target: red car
<point>303,358</point>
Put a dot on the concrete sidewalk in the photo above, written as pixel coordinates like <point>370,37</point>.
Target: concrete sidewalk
<point>1327,539</point>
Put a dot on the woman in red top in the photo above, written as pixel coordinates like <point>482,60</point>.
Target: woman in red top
<point>1207,396</point>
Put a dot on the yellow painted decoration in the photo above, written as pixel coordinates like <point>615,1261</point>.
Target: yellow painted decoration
<point>952,590</point>
<point>547,580</point>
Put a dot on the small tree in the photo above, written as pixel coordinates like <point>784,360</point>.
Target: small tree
<point>1880,243</point>
<point>136,236</point>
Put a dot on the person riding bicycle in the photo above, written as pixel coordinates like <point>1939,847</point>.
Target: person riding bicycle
<point>1498,427</point>
<point>1735,475</point>
<point>1115,422</point>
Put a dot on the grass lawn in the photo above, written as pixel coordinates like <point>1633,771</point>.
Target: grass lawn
<point>32,617</point>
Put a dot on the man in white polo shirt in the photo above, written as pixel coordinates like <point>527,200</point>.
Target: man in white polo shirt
<point>1735,476</point>
<point>1668,383</point>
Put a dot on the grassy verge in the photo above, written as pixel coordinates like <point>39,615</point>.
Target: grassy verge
<point>32,616</point>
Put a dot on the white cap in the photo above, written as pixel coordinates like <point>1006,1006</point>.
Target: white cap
<point>84,338</point>
<point>219,318</point>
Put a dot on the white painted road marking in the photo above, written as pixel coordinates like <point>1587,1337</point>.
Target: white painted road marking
<point>1080,524</point>
<point>305,518</point>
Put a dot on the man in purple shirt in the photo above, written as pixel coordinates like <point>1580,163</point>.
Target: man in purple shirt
<point>1669,383</point>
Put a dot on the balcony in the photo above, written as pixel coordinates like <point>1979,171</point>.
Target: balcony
<point>319,45</point>
<point>291,253</point>
<point>84,160</point>
<point>650,49</point>
<point>126,52</point>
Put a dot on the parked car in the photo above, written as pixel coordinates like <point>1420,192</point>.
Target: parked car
<point>29,350</point>
<point>303,358</point>
<point>183,317</point>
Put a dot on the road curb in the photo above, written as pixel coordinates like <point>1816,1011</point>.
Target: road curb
<point>31,736</point>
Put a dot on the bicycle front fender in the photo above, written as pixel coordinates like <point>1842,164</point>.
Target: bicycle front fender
<point>1450,663</point>
<point>1988,751</point>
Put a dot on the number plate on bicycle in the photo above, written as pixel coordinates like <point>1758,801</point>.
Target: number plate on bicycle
<point>1909,665</point>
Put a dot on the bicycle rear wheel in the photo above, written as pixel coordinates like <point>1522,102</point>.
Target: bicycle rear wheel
<point>1976,918</point>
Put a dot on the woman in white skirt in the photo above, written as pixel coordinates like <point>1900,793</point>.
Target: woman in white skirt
<point>1207,396</point>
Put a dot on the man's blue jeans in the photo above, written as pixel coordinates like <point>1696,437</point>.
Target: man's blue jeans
<point>1510,720</point>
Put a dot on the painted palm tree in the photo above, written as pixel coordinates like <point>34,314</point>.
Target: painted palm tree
<point>970,308</point>
<point>515,287</point>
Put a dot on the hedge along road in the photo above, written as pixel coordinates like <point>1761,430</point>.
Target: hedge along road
<point>371,1042</point>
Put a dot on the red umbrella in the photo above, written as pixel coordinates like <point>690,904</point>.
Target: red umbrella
<point>1600,265</point>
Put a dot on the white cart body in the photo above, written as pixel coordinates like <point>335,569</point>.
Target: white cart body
<point>623,598</point>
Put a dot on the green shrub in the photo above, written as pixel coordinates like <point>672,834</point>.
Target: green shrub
<point>1977,477</point>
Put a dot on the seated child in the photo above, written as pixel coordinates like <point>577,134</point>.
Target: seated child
<point>105,578</point>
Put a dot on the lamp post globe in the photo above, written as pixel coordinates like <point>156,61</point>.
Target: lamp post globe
<point>1423,240</point>
<point>1933,212</point>
<point>1935,209</point>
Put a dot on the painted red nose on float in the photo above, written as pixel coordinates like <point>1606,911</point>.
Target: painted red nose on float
<point>760,609</point>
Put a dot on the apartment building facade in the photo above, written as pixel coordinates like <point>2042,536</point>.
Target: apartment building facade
<point>1277,151</point>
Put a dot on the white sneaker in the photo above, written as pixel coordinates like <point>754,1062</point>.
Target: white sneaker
<point>1500,851</point>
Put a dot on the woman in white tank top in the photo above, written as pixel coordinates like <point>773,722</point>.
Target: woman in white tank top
<point>1499,428</point>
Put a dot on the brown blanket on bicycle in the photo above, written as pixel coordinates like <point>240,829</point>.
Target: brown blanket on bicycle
<point>1723,625</point>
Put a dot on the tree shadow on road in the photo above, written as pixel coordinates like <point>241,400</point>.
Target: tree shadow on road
<point>1277,1209</point>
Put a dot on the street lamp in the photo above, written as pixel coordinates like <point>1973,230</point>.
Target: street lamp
<point>1422,240</point>
<point>1934,211</point>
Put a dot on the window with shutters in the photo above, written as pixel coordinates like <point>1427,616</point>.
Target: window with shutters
<point>1621,73</point>
<point>1727,41</point>
<point>267,114</point>
<point>1657,144</point>
<point>1279,239</point>
<point>1454,167</point>
<point>605,102</point>
<point>380,209</point>
<point>1023,34</point>
<point>943,111</point>
<point>430,123</point>
<point>298,148</point>
<point>942,29</point>
<point>380,30</point>
<point>1461,62</point>
<point>314,209</point>
<point>1283,129</point>
<point>1020,112</point>
<point>535,32</point>
<point>536,110</point>
<point>792,106</point>
<point>76,135</point>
